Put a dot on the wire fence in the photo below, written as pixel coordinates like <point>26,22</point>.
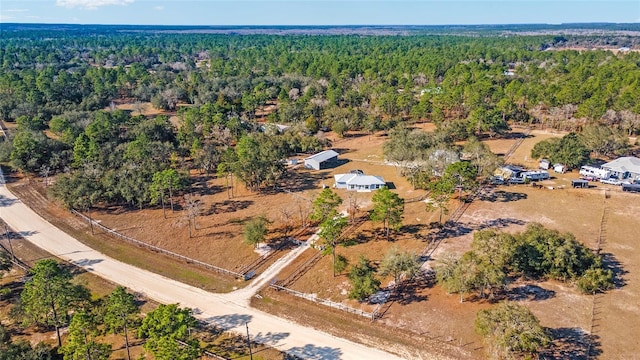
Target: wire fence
<point>160,250</point>
<point>311,297</point>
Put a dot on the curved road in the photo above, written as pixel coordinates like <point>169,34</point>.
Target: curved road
<point>230,311</point>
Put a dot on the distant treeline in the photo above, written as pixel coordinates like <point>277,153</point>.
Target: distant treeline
<point>55,78</point>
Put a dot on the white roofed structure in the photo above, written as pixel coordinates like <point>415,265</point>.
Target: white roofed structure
<point>321,160</point>
<point>627,167</point>
<point>358,182</point>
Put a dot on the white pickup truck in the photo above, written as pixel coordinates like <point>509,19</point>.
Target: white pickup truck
<point>611,181</point>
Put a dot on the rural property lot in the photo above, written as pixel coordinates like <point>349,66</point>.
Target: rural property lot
<point>425,310</point>
<point>428,311</point>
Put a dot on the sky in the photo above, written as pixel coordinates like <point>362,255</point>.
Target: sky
<point>314,12</point>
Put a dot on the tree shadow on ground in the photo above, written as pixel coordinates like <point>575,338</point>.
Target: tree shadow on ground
<point>502,196</point>
<point>312,352</point>
<point>230,321</point>
<point>228,206</point>
<point>21,234</point>
<point>362,237</point>
<point>454,229</point>
<point>408,291</point>
<point>308,180</point>
<point>207,189</point>
<point>5,201</point>
<point>218,235</point>
<point>499,223</point>
<point>610,262</point>
<point>269,338</point>
<point>283,243</point>
<point>571,343</point>
<point>529,292</point>
<point>413,229</point>
<point>86,263</point>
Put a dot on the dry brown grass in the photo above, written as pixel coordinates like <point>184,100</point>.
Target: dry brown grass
<point>427,312</point>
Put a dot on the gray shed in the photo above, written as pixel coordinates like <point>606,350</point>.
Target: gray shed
<point>579,183</point>
<point>321,160</point>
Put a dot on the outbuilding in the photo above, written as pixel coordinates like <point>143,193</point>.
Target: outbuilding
<point>559,168</point>
<point>544,164</point>
<point>321,160</point>
<point>579,183</point>
<point>358,182</point>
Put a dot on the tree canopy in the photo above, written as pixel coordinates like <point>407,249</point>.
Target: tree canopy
<point>511,329</point>
<point>388,208</point>
<point>162,328</point>
<point>49,296</point>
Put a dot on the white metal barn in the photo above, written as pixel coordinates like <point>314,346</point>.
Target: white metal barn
<point>321,160</point>
<point>358,182</point>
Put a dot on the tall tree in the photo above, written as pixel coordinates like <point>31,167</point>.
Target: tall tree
<point>81,343</point>
<point>255,230</point>
<point>324,205</point>
<point>363,280</point>
<point>481,156</point>
<point>168,180</point>
<point>120,313</point>
<point>330,230</point>
<point>49,295</point>
<point>399,264</point>
<point>461,174</point>
<point>511,329</point>
<point>162,328</point>
<point>441,192</point>
<point>388,208</point>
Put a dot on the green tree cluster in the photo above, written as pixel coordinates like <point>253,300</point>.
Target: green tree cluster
<point>511,330</point>
<point>536,252</point>
<point>163,327</point>
<point>568,150</point>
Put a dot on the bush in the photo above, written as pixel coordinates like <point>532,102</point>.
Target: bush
<point>511,328</point>
<point>363,280</point>
<point>594,280</point>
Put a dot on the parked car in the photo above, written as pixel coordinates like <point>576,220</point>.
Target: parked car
<point>515,180</point>
<point>610,181</point>
<point>496,180</point>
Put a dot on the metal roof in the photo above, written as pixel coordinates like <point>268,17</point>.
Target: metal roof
<point>323,156</point>
<point>357,179</point>
<point>624,164</point>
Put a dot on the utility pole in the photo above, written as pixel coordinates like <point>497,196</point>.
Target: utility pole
<point>6,231</point>
<point>90,221</point>
<point>249,341</point>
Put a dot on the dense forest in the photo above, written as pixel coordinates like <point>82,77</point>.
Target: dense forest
<point>60,87</point>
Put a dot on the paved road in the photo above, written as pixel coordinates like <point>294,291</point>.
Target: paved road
<point>229,310</point>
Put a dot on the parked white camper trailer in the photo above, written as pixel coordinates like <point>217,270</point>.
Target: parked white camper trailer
<point>594,172</point>
<point>535,175</point>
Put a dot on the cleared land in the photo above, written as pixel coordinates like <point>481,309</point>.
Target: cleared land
<point>425,317</point>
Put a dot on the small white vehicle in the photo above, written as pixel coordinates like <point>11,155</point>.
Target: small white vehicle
<point>610,181</point>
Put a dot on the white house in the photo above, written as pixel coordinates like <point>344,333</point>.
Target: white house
<point>624,168</point>
<point>321,160</point>
<point>358,182</point>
